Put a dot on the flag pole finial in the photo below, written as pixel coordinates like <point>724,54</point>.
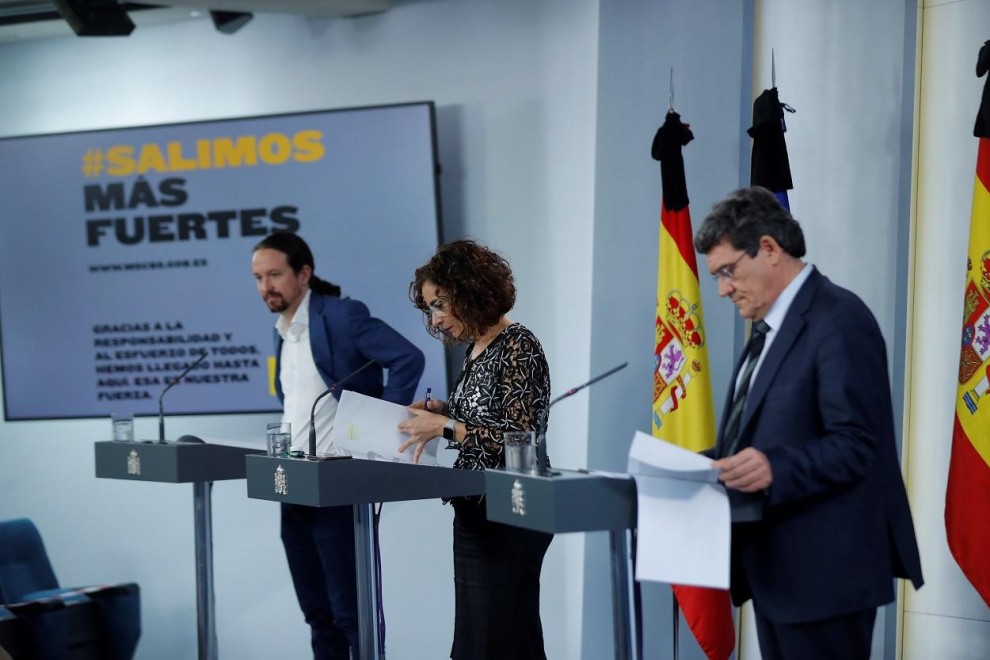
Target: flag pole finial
<point>773,69</point>
<point>670,97</point>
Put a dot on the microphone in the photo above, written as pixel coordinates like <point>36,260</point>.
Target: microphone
<point>161,412</point>
<point>542,467</point>
<point>312,412</point>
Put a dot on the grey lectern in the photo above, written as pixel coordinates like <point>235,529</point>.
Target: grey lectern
<point>569,501</point>
<point>181,462</point>
<point>360,483</point>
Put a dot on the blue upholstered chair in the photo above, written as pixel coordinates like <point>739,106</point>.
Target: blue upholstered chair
<point>56,623</point>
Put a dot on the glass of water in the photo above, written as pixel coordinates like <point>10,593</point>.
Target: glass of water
<point>520,451</point>
<point>123,427</point>
<point>279,438</point>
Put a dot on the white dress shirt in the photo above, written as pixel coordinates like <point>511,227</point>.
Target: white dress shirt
<point>302,383</point>
<point>778,311</point>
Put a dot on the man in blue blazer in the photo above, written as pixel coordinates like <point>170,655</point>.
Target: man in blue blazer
<point>322,339</point>
<point>806,446</point>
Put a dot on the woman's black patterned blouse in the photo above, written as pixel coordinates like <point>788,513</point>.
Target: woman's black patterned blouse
<point>505,388</point>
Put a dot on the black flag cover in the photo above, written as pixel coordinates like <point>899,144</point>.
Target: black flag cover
<point>982,128</point>
<point>770,167</point>
<point>666,148</point>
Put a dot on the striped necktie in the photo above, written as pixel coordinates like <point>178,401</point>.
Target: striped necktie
<point>757,338</point>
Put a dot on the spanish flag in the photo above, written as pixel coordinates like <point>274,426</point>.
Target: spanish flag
<point>682,391</point>
<point>967,497</point>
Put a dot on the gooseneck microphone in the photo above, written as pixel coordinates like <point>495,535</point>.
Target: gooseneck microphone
<point>312,412</point>
<point>161,411</point>
<point>541,427</point>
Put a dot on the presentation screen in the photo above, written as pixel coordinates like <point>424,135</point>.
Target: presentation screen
<point>125,254</point>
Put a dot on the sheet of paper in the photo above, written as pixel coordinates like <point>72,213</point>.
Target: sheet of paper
<point>366,427</point>
<point>683,526</point>
<point>661,458</point>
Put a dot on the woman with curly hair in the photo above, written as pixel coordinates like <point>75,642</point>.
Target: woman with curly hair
<point>466,291</point>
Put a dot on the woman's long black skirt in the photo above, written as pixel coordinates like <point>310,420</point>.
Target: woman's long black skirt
<point>496,587</point>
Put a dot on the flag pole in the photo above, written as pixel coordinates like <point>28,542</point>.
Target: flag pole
<point>676,628</point>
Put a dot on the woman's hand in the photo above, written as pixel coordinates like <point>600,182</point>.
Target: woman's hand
<point>435,406</point>
<point>422,427</point>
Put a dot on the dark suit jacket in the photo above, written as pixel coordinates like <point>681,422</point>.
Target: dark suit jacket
<point>343,336</point>
<point>836,527</point>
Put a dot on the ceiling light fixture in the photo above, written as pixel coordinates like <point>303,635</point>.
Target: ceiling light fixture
<point>96,18</point>
<point>230,22</point>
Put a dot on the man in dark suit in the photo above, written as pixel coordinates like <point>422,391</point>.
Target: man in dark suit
<point>806,446</point>
<point>320,339</point>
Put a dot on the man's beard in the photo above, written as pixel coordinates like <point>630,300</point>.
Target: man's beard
<point>277,304</point>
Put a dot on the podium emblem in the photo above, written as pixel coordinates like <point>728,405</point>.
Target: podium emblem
<point>518,498</point>
<point>281,486</point>
<point>133,463</point>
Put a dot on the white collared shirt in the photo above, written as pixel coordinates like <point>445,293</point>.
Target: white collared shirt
<point>778,312</point>
<point>302,383</point>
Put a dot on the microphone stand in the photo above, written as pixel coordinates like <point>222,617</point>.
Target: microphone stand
<point>312,413</point>
<point>161,411</point>
<point>542,464</point>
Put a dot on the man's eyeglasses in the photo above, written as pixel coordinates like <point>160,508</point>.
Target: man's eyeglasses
<point>439,307</point>
<point>728,271</point>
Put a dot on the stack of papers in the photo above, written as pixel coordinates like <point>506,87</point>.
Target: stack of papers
<point>366,427</point>
<point>683,516</point>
